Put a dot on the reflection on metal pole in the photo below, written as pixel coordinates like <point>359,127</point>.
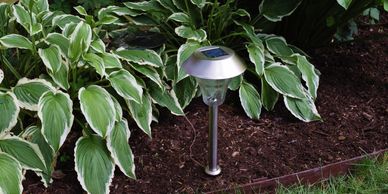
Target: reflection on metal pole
<point>213,169</point>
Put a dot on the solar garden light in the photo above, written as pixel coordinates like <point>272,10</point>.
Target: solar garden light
<point>213,67</point>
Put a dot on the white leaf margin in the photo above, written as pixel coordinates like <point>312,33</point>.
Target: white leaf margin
<point>20,173</point>
<point>112,151</point>
<point>68,125</point>
<point>79,175</point>
<point>15,116</point>
<point>24,80</point>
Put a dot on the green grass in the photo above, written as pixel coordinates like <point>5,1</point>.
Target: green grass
<point>368,177</point>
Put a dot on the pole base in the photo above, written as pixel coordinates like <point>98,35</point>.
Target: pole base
<point>215,172</point>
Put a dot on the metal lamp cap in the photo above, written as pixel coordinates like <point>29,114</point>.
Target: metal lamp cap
<point>214,62</point>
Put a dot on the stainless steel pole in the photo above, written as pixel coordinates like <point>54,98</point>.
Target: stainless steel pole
<point>213,169</point>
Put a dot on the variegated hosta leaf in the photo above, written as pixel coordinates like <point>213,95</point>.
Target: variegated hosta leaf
<point>39,5</point>
<point>191,34</point>
<point>118,109</point>
<point>303,109</point>
<point>11,175</point>
<point>106,20</point>
<point>142,113</point>
<point>93,164</point>
<point>64,19</point>
<point>55,113</point>
<point>81,10</point>
<point>309,75</point>
<point>256,55</point>
<point>185,91</point>
<point>126,85</point>
<point>22,16</point>
<point>149,72</point>
<point>284,81</point>
<point>110,61</point>
<point>9,111</point>
<point>180,17</point>
<point>345,3</point>
<point>250,100</point>
<point>34,135</point>
<point>98,108</point>
<point>80,40</point>
<point>15,41</point>
<point>1,76</point>
<point>184,52</point>
<point>278,46</point>
<point>120,150</point>
<point>28,154</point>
<point>51,57</point>
<point>275,10</point>
<point>29,91</point>
<point>59,40</point>
<point>142,57</point>
<point>199,3</point>
<point>269,96</point>
<point>249,31</point>
<point>168,4</point>
<point>61,77</point>
<point>165,99</point>
<point>96,62</point>
<point>145,6</point>
<point>98,46</point>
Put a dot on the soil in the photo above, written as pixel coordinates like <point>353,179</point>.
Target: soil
<point>352,100</point>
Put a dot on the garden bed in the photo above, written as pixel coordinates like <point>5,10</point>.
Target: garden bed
<point>352,101</point>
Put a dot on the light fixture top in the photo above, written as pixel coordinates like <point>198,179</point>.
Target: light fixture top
<point>214,62</point>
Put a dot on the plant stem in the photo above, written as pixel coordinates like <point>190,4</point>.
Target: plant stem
<point>10,67</point>
<point>4,89</point>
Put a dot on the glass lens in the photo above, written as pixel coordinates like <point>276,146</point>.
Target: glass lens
<point>213,91</point>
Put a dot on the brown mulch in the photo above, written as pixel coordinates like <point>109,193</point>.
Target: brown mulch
<point>352,100</point>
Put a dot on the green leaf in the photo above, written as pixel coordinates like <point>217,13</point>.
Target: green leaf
<point>180,17</point>
<point>142,57</point>
<point>309,75</point>
<point>106,20</point>
<point>93,164</point>
<point>55,113</point>
<point>98,108</point>
<point>111,61</point>
<point>235,83</point>
<point>184,52</point>
<point>165,99</point>
<point>33,134</point>
<point>275,10</point>
<point>386,5</point>
<point>168,4</point>
<point>344,3</point>
<point>119,148</point>
<point>250,100</point>
<point>149,72</point>
<point>59,40</point>
<point>185,91</point>
<point>249,31</point>
<point>191,34</point>
<point>28,154</point>
<point>97,62</point>
<point>284,81</point>
<point>98,46</point>
<point>61,77</point>
<point>9,112</point>
<point>29,91</point>
<point>11,175</point>
<point>269,96</point>
<point>38,5</point>
<point>65,19</point>
<point>278,46</point>
<point>81,10</point>
<point>145,6</point>
<point>199,3</point>
<point>126,85</point>
<point>16,41</point>
<point>51,57</point>
<point>118,109</point>
<point>142,113</point>
<point>256,55</point>
<point>22,16</point>
<point>303,109</point>
<point>80,40</point>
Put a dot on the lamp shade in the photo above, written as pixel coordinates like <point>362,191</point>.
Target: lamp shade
<point>214,63</point>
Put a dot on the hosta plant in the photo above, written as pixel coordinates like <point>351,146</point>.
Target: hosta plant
<point>56,75</point>
<point>275,68</point>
